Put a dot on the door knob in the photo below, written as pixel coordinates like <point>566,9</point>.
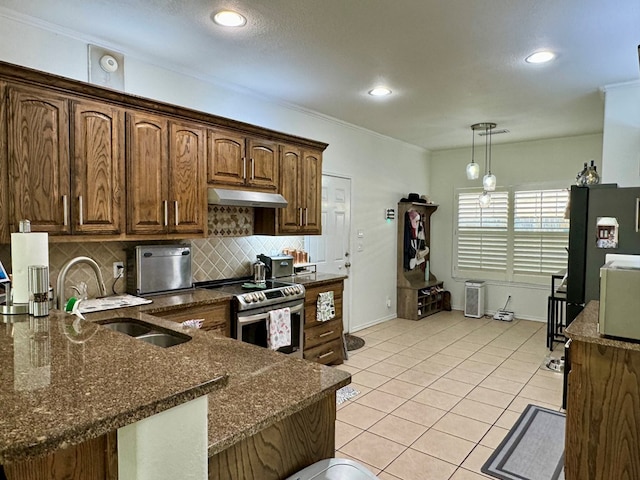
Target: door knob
<point>347,264</point>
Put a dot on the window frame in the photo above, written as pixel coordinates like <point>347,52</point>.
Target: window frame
<point>509,276</point>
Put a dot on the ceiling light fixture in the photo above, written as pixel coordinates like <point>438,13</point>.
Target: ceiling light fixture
<point>228,18</point>
<point>380,91</point>
<point>473,169</point>
<point>543,56</point>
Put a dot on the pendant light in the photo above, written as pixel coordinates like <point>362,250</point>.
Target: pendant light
<point>473,169</point>
<point>489,179</point>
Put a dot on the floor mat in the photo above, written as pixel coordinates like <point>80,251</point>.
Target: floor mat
<point>353,342</point>
<point>345,393</point>
<point>532,450</point>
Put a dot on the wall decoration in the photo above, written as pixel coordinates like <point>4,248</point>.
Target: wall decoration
<point>607,232</point>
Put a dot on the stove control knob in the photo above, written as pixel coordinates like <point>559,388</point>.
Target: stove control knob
<point>255,297</point>
<point>247,298</point>
<point>289,290</point>
<point>261,296</point>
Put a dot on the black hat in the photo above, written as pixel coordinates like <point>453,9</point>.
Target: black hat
<point>414,197</point>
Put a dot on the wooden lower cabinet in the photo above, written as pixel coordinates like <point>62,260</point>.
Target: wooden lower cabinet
<point>95,459</point>
<point>323,340</point>
<point>282,449</point>
<point>273,453</point>
<point>603,413</point>
<point>217,317</point>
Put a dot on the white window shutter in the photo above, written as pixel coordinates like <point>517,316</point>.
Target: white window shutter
<point>541,233</point>
<point>483,232</point>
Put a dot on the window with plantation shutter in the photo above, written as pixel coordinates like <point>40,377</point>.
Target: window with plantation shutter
<point>540,231</point>
<point>482,233</point>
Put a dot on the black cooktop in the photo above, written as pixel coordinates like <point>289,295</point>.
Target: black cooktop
<point>239,286</point>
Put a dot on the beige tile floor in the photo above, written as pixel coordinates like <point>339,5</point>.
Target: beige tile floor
<point>438,395</point>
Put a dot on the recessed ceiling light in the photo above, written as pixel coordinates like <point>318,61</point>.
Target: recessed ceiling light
<point>228,18</point>
<point>540,57</point>
<point>379,91</point>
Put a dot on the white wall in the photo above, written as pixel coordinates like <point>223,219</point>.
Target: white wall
<point>383,170</point>
<point>621,140</point>
<point>516,163</point>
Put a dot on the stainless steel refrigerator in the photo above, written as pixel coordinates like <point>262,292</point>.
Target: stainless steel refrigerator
<point>588,205</point>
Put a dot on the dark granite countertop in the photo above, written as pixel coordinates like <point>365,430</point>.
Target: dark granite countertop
<point>585,328</point>
<point>316,279</point>
<point>96,380</point>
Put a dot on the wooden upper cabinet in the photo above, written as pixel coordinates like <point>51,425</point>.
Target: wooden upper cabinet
<point>235,160</point>
<point>300,183</point>
<point>311,191</point>
<point>290,171</point>
<point>165,175</point>
<point>187,185</point>
<point>38,159</point>
<point>263,164</point>
<point>147,165</point>
<point>226,163</point>
<point>97,204</point>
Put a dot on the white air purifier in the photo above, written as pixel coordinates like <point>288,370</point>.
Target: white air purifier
<point>474,298</point>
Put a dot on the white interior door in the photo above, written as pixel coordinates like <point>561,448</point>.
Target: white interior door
<point>330,251</point>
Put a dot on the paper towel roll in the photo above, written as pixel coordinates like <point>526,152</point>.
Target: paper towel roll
<point>26,249</point>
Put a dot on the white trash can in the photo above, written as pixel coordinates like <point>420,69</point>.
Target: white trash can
<point>334,469</point>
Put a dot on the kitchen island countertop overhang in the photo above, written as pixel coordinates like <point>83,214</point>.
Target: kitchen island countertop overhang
<point>109,380</point>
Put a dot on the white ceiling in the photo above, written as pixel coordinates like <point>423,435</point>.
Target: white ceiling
<point>450,63</point>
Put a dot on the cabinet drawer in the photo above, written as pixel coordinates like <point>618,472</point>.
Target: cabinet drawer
<point>326,353</point>
<point>216,317</point>
<point>322,333</point>
<point>310,312</point>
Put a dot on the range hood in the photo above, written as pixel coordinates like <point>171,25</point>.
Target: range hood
<point>243,198</point>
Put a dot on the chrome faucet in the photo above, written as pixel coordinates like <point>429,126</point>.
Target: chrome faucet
<point>63,274</point>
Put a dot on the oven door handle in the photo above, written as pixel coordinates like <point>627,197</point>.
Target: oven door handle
<point>262,316</point>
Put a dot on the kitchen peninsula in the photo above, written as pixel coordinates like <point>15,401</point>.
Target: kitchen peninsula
<point>67,385</point>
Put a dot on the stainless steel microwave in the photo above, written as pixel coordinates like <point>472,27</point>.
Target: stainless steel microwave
<point>620,299</point>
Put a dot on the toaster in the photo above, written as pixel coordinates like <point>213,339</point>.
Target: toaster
<point>277,266</point>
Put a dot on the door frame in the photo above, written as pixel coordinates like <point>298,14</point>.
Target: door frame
<point>348,292</point>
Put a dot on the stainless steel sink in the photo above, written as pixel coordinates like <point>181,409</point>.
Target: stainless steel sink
<point>146,332</point>
<point>128,327</point>
<point>164,340</point>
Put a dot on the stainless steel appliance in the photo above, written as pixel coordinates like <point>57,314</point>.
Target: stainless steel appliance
<point>259,272</point>
<point>278,266</point>
<point>251,308</point>
<point>619,300</point>
<point>158,269</point>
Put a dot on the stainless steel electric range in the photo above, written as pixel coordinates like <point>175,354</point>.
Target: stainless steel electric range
<point>251,307</point>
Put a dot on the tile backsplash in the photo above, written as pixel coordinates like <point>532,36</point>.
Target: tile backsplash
<point>228,251</point>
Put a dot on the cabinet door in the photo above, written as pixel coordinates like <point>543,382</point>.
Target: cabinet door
<point>290,216</point>
<point>263,164</point>
<point>187,187</point>
<point>38,148</point>
<point>147,199</point>
<point>227,164</point>
<point>311,190</point>
<point>98,168</point>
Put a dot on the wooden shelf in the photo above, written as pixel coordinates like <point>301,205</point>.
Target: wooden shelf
<point>417,297</point>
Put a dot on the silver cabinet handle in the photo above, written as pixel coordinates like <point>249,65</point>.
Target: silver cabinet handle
<point>325,334</point>
<point>325,355</point>
<point>80,214</point>
<point>65,210</point>
<point>306,217</point>
<point>176,212</point>
<point>244,168</point>
<point>300,216</point>
<point>253,169</point>
<point>165,203</point>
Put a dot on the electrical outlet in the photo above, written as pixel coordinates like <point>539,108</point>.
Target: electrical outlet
<point>388,302</point>
<point>118,269</point>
